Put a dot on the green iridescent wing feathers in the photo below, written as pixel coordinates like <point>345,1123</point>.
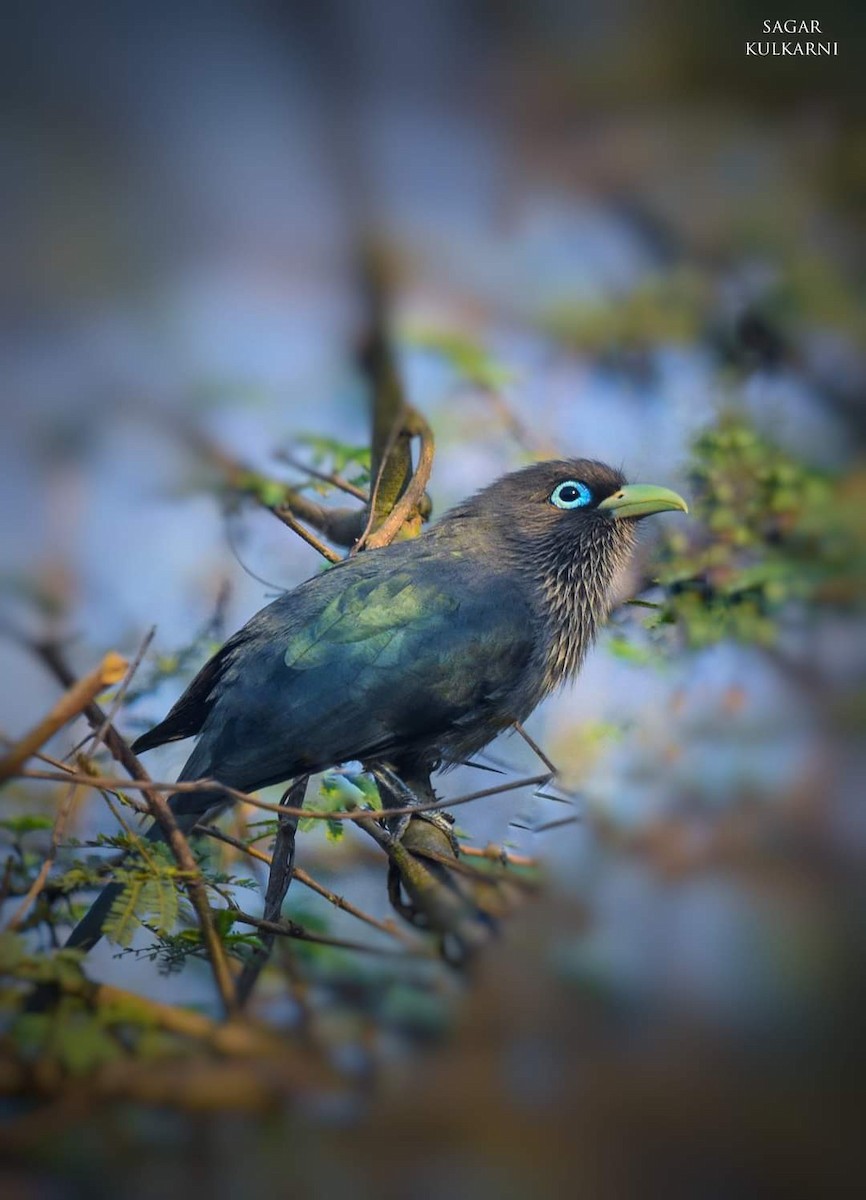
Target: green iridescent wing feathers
<point>373,616</point>
<point>358,662</point>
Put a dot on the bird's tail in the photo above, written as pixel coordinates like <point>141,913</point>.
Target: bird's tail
<point>188,808</point>
<point>88,931</point>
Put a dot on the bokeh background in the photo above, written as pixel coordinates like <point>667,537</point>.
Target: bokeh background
<point>609,230</point>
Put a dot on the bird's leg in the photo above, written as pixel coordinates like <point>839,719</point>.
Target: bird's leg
<point>279,878</point>
<point>395,793</point>
<point>411,788</point>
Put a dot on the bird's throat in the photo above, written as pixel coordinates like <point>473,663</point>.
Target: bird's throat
<point>578,586</point>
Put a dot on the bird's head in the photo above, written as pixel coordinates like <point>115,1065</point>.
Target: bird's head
<point>567,501</point>
<point>567,528</point>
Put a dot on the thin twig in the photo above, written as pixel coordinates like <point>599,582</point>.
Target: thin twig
<point>409,502</point>
<point>499,854</point>
<point>548,825</point>
<point>536,749</point>
<point>57,831</point>
<point>388,449</point>
<point>285,515</point>
<point>100,733</point>
<point>341,526</point>
<point>336,481</point>
<point>162,813</point>
<point>76,699</point>
<point>290,929</point>
<point>214,785</point>
<point>51,656</point>
<point>303,877</point>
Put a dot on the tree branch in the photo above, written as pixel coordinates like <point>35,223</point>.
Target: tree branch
<point>162,814</point>
<point>78,697</point>
<point>303,877</point>
<point>213,785</point>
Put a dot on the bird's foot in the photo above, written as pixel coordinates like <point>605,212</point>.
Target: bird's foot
<point>444,822</point>
<point>397,826</point>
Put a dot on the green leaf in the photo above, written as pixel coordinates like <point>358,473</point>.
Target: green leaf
<point>30,1033</point>
<point>123,917</point>
<point>81,1043</point>
<point>159,903</point>
<point>223,919</point>
<point>339,454</point>
<point>340,792</point>
<point>13,951</point>
<point>628,650</point>
<point>67,966</point>
<point>334,831</point>
<point>464,355</point>
<point>25,824</point>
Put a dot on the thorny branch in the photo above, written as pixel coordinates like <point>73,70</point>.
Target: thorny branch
<point>291,929</point>
<point>303,877</point>
<point>68,801</point>
<point>109,784</point>
<point>79,696</point>
<point>162,814</point>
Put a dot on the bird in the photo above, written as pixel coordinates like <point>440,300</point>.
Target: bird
<point>414,656</point>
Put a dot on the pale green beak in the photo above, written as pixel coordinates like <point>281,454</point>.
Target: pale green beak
<point>641,500</point>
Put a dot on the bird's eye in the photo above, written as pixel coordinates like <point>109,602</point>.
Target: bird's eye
<point>571,494</point>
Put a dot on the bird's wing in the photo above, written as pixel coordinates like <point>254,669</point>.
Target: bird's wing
<point>384,662</point>
<point>189,713</point>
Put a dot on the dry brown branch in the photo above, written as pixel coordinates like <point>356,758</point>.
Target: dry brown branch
<point>285,515</point>
<point>336,481</point>
<point>342,526</point>
<point>291,929</point>
<point>112,785</point>
<point>100,733</point>
<point>57,832</point>
<point>51,655</point>
<point>161,812</point>
<point>303,877</point>
<point>408,507</point>
<point>536,749</point>
<point>499,854</point>
<point>75,701</point>
<point>66,804</point>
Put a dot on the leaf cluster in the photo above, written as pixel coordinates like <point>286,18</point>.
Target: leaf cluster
<point>342,792</point>
<point>771,536</point>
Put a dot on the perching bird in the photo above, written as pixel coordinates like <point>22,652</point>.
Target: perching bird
<point>414,656</point>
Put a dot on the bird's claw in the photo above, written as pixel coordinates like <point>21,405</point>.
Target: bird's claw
<point>397,826</point>
<point>444,822</point>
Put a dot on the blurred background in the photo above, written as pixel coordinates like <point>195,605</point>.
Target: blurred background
<point>611,233</point>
